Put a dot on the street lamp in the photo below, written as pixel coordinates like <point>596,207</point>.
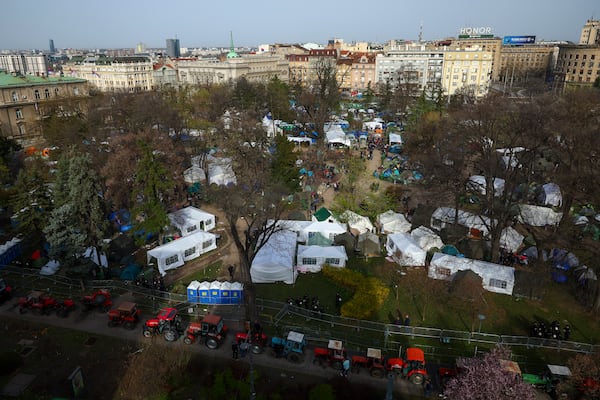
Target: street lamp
<point>481,317</point>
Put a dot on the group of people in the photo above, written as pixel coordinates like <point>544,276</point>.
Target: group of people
<point>552,331</point>
<point>310,304</point>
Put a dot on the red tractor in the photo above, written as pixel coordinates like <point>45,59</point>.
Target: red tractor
<point>334,355</point>
<point>211,327</point>
<point>5,291</point>
<point>126,314</point>
<point>38,302</point>
<point>166,323</point>
<point>256,340</point>
<point>99,300</point>
<point>410,366</point>
<point>373,362</point>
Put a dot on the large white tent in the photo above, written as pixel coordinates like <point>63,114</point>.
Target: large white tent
<point>312,258</point>
<point>551,195</point>
<point>306,229</point>
<point>191,219</point>
<point>174,254</point>
<point>538,215</point>
<point>220,171</point>
<point>404,250</point>
<point>510,239</point>
<point>336,135</point>
<point>357,222</point>
<point>496,278</point>
<point>478,184</point>
<point>274,262</point>
<point>426,238</point>
<point>392,222</point>
<point>446,215</point>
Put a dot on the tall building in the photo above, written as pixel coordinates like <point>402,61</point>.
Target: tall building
<point>51,47</point>
<point>590,34</point>
<point>577,66</point>
<point>30,64</point>
<point>173,49</point>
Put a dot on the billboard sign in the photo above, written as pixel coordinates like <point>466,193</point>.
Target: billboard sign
<point>475,32</point>
<point>516,40</point>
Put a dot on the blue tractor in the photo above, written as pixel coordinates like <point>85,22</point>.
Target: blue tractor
<point>291,348</point>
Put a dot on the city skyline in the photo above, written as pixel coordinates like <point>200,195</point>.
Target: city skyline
<point>118,24</point>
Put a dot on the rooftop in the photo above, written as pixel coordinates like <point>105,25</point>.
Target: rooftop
<point>18,80</point>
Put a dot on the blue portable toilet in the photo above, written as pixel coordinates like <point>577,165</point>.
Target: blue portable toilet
<point>225,293</point>
<point>215,292</point>
<point>204,292</point>
<point>237,293</point>
<point>192,292</point>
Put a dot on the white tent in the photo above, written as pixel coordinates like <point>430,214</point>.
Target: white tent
<point>404,250</point>
<point>193,174</point>
<point>191,219</point>
<point>477,183</point>
<point>174,254</point>
<point>220,171</point>
<point>312,258</point>
<point>306,229</point>
<point>510,239</point>
<point>395,138</point>
<point>92,254</point>
<point>538,215</point>
<point>392,222</point>
<point>336,135</point>
<point>426,238</point>
<point>372,125</point>
<point>551,195</point>
<point>274,262</point>
<point>357,222</point>
<point>445,215</point>
<point>496,278</point>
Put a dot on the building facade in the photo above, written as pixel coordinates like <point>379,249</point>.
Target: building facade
<point>26,99</point>
<point>114,74</point>
<point>590,34</point>
<point>173,48</point>
<point>577,66</point>
<point>519,63</point>
<point>467,71</point>
<point>32,64</point>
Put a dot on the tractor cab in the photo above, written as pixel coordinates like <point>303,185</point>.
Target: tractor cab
<point>411,365</point>
<point>290,347</point>
<point>334,355</point>
<point>210,327</point>
<point>373,362</point>
<point>212,324</point>
<point>295,342</point>
<point>167,323</point>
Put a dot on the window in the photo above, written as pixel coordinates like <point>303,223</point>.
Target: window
<point>498,283</point>
<point>56,92</point>
<point>19,113</point>
<point>309,261</point>
<point>21,128</point>
<point>76,91</point>
<point>332,261</point>
<point>46,93</point>
<point>207,244</point>
<point>191,228</point>
<point>36,94</point>
<point>189,251</point>
<point>442,271</point>
<point>15,96</point>
<point>172,260</point>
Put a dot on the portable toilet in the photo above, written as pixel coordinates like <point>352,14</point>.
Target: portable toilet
<point>192,292</point>
<point>225,293</point>
<point>237,293</point>
<point>204,292</point>
<point>215,292</point>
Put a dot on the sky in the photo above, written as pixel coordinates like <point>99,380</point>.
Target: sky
<point>200,23</point>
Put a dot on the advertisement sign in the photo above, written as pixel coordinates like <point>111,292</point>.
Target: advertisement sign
<point>475,32</point>
<point>515,40</point>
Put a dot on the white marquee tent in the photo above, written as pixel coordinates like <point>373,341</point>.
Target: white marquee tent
<point>551,195</point>
<point>446,215</point>
<point>174,254</point>
<point>478,184</point>
<point>312,258</point>
<point>510,239</point>
<point>426,238</point>
<point>357,222</point>
<point>404,250</point>
<point>220,171</point>
<point>392,222</point>
<point>191,219</point>
<point>306,229</point>
<point>496,278</point>
<point>538,215</point>
<point>274,262</point>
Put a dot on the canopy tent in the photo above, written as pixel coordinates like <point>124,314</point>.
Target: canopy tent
<point>395,138</point>
<point>323,214</point>
<point>478,184</point>
<point>404,250</point>
<point>538,215</point>
<point>392,222</point>
<point>496,278</point>
<point>307,229</point>
<point>312,258</point>
<point>318,239</point>
<point>191,219</point>
<point>274,262</point>
<point>426,238</point>
<point>372,125</point>
<point>272,127</point>
<point>446,215</point>
<point>510,239</point>
<point>550,195</point>
<point>220,171</point>
<point>347,240</point>
<point>300,140</point>
<point>367,245</point>
<point>336,135</point>
<point>175,253</point>
<point>356,222</point>
<point>9,251</point>
<point>193,174</point>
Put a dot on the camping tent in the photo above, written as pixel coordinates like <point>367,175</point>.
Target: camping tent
<point>395,138</point>
<point>193,174</point>
<point>550,195</point>
<point>404,250</point>
<point>426,238</point>
<point>220,171</point>
<point>445,215</point>
<point>307,229</point>
<point>191,219</point>
<point>92,254</point>
<point>478,184</point>
<point>496,278</point>
<point>312,258</point>
<point>392,222</point>
<point>9,251</point>
<point>173,254</point>
<point>368,245</point>
<point>347,240</point>
<point>274,262</point>
<point>335,135</point>
<point>538,215</point>
<point>357,223</point>
<point>510,239</point>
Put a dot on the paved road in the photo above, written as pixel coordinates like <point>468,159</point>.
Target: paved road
<point>96,323</point>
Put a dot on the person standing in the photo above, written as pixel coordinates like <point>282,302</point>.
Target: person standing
<point>235,350</point>
<point>345,368</point>
<point>231,268</point>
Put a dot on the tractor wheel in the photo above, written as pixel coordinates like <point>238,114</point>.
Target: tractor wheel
<point>377,372</point>
<point>147,333</point>
<point>256,349</point>
<point>336,365</point>
<point>187,340</point>
<point>417,379</point>
<point>212,343</point>
<point>171,335</point>
<point>295,358</point>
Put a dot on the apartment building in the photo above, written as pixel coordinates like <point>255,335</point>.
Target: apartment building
<point>113,74</point>
<point>467,71</point>
<point>26,99</point>
<point>590,33</point>
<point>577,66</point>
<point>304,68</point>
<point>519,63</point>
<point>33,64</point>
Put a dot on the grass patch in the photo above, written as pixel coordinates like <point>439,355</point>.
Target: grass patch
<point>210,273</point>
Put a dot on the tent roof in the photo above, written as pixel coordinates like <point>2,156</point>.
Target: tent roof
<point>322,214</point>
<point>189,215</point>
<point>356,221</point>
<point>180,244</point>
<point>426,238</point>
<point>322,251</point>
<point>479,267</point>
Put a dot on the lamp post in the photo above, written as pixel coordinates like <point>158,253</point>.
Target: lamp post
<point>481,317</point>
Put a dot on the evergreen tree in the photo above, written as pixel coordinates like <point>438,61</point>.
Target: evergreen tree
<point>283,164</point>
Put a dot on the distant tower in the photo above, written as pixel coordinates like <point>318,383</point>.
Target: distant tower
<point>421,32</point>
<point>173,49</point>
<point>140,48</point>
<point>590,34</point>
<point>232,53</point>
<point>52,48</point>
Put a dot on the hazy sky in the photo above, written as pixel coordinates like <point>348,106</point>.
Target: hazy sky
<point>202,23</point>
